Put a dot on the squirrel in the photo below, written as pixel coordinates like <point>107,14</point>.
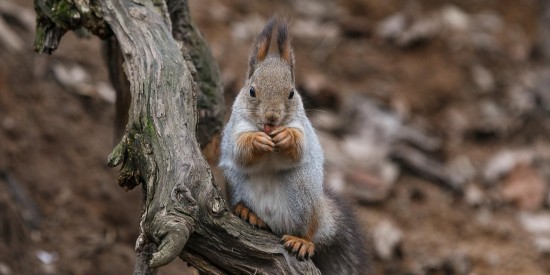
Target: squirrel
<point>273,164</point>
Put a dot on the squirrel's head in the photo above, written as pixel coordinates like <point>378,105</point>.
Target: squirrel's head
<point>269,93</point>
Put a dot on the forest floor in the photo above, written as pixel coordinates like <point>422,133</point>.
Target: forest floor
<point>461,76</point>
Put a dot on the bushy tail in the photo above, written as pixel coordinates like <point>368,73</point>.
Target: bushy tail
<point>347,253</point>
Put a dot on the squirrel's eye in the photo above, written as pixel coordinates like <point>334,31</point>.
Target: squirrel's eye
<point>252,92</point>
<point>291,95</point>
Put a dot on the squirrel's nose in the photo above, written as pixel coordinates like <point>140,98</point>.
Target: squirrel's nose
<point>272,117</point>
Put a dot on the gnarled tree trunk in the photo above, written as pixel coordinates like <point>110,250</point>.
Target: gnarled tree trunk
<point>184,212</point>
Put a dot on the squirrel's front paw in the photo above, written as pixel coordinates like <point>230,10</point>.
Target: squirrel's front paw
<point>244,213</point>
<point>282,137</point>
<point>288,141</point>
<point>252,146</point>
<point>262,142</point>
<point>303,248</point>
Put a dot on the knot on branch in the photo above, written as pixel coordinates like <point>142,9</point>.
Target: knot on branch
<point>184,202</point>
<point>217,204</point>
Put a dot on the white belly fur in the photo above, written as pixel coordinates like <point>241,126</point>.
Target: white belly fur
<point>266,195</point>
<point>268,200</point>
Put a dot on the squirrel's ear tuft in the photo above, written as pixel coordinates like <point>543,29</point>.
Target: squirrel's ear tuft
<point>285,49</point>
<point>261,46</point>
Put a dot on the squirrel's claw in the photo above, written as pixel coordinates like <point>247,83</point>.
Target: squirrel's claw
<point>241,211</point>
<point>244,213</point>
<point>302,248</point>
<point>257,222</point>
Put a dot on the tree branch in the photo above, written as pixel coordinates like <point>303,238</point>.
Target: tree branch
<point>160,151</point>
<point>159,146</point>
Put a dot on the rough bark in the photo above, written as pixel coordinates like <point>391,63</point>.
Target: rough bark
<point>182,205</point>
<point>210,101</point>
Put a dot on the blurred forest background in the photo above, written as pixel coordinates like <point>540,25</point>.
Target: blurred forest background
<point>434,116</point>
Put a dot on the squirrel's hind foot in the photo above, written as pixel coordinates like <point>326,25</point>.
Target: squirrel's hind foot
<point>244,213</point>
<point>303,248</point>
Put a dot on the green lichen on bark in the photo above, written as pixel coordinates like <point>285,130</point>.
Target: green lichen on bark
<point>132,154</point>
<point>55,17</point>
